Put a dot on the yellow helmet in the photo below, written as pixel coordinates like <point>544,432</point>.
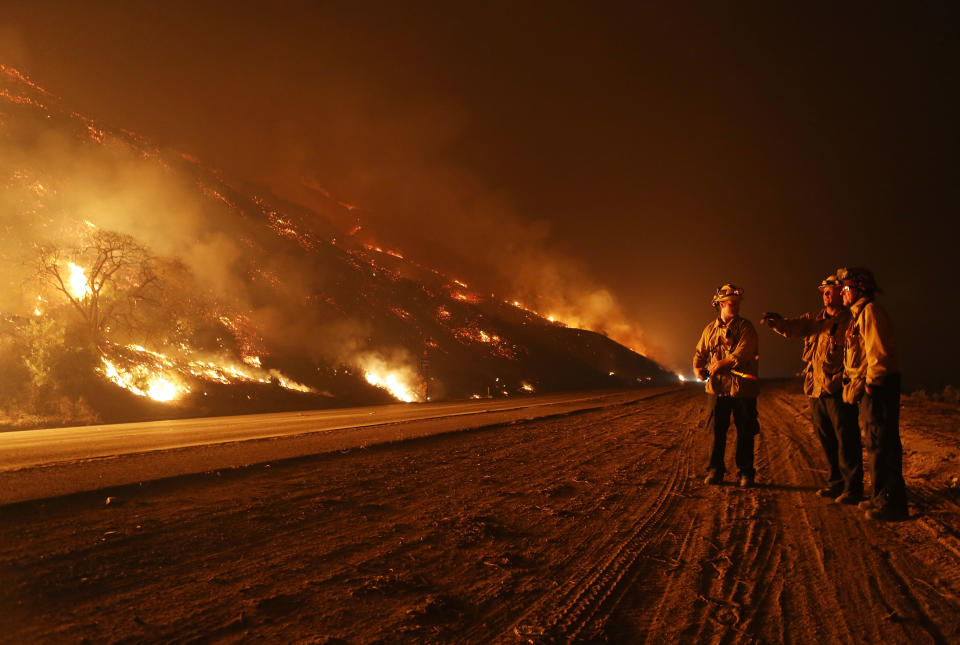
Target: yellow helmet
<point>859,278</point>
<point>830,280</point>
<point>727,292</point>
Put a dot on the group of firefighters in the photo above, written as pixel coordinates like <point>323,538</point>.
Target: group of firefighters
<point>851,377</point>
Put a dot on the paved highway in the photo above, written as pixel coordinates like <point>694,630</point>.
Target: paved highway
<point>42,463</point>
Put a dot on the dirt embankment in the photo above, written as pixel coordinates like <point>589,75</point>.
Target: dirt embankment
<point>589,527</point>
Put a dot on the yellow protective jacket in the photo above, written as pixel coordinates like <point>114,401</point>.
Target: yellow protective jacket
<point>824,337</point>
<point>870,351</point>
<point>737,340</point>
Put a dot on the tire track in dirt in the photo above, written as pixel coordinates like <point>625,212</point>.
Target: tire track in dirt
<point>603,428</point>
<point>370,563</point>
<point>888,560</point>
<point>580,606</point>
<point>583,528</point>
<point>828,541</point>
<point>778,564</point>
<point>349,555</point>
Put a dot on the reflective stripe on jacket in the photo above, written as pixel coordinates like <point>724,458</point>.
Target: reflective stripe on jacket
<point>870,351</point>
<point>737,340</point>
<point>824,337</point>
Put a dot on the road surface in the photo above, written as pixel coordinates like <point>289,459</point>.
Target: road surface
<point>36,464</point>
<point>589,527</point>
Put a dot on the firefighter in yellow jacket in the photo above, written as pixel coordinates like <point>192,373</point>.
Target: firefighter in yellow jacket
<point>871,374</point>
<point>727,358</point>
<point>835,422</point>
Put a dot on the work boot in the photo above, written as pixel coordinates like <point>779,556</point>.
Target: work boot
<point>830,492</point>
<point>887,514</point>
<point>746,481</point>
<point>712,478</point>
<point>848,497</point>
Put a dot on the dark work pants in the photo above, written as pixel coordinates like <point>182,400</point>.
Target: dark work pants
<point>880,418</point>
<point>835,423</point>
<point>744,411</point>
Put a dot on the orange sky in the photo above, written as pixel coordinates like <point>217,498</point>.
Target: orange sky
<point>657,152</point>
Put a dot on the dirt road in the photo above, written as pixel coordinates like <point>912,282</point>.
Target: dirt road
<point>589,527</point>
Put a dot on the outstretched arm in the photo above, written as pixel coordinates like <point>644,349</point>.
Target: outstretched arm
<point>805,325</point>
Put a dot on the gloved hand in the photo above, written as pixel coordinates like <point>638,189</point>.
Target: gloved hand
<point>720,366</point>
<point>770,317</point>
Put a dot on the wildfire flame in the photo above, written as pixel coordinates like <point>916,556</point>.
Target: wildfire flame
<point>140,380</point>
<point>401,381</point>
<point>77,282</point>
<point>163,378</point>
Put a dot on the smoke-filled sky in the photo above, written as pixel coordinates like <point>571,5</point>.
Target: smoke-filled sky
<point>636,155</point>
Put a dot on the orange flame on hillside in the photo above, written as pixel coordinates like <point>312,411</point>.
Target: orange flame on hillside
<point>162,378</point>
<point>400,380</point>
<point>143,381</point>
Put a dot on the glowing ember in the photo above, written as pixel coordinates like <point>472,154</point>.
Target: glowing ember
<point>498,346</point>
<point>462,294</point>
<point>252,361</point>
<point>378,249</point>
<point>526,387</point>
<point>77,282</point>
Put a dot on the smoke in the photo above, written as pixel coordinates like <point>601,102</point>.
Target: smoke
<point>415,198</point>
<point>13,49</point>
<point>446,218</point>
<point>403,169</point>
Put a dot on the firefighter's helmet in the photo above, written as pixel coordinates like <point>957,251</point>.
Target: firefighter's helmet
<point>725,293</point>
<point>830,281</point>
<point>860,278</point>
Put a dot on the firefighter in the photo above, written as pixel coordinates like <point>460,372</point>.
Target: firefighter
<point>871,376</point>
<point>726,357</point>
<point>834,421</point>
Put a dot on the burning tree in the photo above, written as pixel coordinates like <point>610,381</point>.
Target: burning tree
<point>110,281</point>
<point>104,284</point>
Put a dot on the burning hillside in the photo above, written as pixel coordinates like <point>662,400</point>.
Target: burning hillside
<point>140,283</point>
